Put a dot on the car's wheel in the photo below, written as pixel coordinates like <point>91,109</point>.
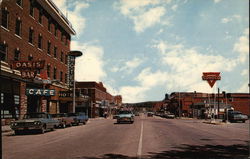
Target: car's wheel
<point>243,121</point>
<point>42,130</point>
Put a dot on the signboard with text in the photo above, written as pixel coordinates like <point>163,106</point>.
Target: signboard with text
<point>24,65</point>
<point>211,77</point>
<point>40,92</point>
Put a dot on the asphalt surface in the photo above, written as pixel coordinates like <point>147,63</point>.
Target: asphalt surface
<point>148,137</point>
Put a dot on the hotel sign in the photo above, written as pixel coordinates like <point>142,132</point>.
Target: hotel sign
<point>65,94</point>
<point>40,92</point>
<point>211,77</point>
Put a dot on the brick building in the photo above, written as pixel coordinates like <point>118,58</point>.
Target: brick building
<point>100,100</point>
<point>31,31</point>
<point>196,104</point>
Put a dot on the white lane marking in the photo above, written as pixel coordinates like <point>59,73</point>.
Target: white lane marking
<point>139,152</point>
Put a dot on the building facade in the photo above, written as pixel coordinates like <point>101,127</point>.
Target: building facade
<point>34,45</point>
<point>100,100</point>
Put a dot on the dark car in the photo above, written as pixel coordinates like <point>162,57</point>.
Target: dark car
<point>64,119</point>
<point>234,116</point>
<point>35,121</point>
<point>150,114</point>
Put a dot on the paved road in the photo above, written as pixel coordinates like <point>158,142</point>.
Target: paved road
<point>148,137</point>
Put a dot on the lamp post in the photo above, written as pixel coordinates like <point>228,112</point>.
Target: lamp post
<point>73,55</point>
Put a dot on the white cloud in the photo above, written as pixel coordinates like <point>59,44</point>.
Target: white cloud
<point>217,1</point>
<point>242,46</point>
<point>243,88</point>
<point>75,16</point>
<point>89,67</point>
<point>133,94</point>
<point>245,72</point>
<point>128,66</point>
<point>231,19</point>
<point>174,7</point>
<point>143,18</point>
<point>186,66</point>
<point>226,20</point>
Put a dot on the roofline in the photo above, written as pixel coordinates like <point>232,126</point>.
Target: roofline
<point>52,9</point>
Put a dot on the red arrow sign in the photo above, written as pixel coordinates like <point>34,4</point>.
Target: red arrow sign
<point>211,77</point>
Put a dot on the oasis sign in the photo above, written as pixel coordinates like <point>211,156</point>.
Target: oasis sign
<point>211,77</point>
<point>24,65</point>
<point>40,92</point>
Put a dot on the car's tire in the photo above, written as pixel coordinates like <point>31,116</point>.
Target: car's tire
<point>243,121</point>
<point>42,130</point>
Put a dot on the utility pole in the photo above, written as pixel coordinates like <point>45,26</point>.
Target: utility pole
<point>218,103</point>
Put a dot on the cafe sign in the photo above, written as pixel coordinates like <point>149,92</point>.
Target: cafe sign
<point>40,92</point>
<point>211,77</point>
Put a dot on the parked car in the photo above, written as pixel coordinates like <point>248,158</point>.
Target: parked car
<point>64,119</point>
<point>169,116</point>
<point>125,116</point>
<point>78,118</point>
<point>234,116</point>
<point>150,114</point>
<point>35,121</point>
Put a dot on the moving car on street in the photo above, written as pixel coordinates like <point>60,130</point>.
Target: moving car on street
<point>78,118</point>
<point>64,119</point>
<point>234,116</point>
<point>125,116</point>
<point>150,114</point>
<point>34,121</point>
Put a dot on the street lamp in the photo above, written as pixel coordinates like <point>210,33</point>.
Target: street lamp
<point>73,55</point>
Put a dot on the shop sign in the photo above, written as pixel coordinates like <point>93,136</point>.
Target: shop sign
<point>65,94</point>
<point>211,77</point>
<point>23,65</point>
<point>28,74</point>
<point>40,92</point>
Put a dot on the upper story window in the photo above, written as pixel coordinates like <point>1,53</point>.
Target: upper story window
<point>48,47</point>
<point>3,51</point>
<point>31,35</point>
<point>55,51</point>
<point>66,59</point>
<point>5,18</point>
<point>16,54</point>
<point>30,57</point>
<point>61,76</point>
<point>55,33</point>
<point>62,56</point>
<point>48,70</point>
<point>55,71</point>
<point>66,77</point>
<point>19,2</point>
<point>18,26</point>
<point>49,25</point>
<point>40,40</point>
<point>31,8</point>
<point>40,18</point>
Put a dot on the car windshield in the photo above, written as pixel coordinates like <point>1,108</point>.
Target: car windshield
<point>125,112</point>
<point>35,115</point>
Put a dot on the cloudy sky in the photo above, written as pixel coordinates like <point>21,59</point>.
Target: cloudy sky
<point>142,49</point>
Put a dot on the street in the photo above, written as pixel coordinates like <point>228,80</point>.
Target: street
<point>148,137</point>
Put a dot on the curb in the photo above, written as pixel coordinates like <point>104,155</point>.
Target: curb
<point>213,123</point>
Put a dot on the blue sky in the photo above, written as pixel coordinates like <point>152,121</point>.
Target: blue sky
<point>142,49</point>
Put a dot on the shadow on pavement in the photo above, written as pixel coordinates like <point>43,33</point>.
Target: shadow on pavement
<point>190,152</point>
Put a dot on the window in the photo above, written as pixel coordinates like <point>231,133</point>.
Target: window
<point>31,8</point>
<point>61,76</point>
<point>55,33</point>
<point>3,51</point>
<point>19,2</point>
<point>49,25</point>
<point>49,47</point>
<point>61,56</point>
<point>54,76</point>
<point>40,39</point>
<point>31,35</point>
<point>18,26</point>
<point>16,54</point>
<point>55,51</point>
<point>48,70</point>
<point>40,18</point>
<point>66,59</point>
<point>5,18</point>
<point>30,57</point>
<point>66,77</point>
